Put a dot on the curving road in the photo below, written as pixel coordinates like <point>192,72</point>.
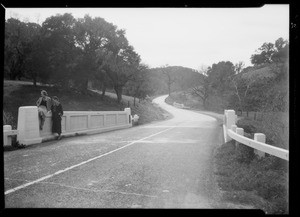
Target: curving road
<point>165,164</point>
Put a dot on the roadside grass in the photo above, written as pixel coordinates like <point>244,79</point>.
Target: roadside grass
<point>18,94</point>
<point>256,182</point>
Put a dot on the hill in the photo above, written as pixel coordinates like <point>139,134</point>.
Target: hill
<point>183,77</point>
<point>16,94</point>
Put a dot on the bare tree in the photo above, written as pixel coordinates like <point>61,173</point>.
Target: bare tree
<point>170,78</point>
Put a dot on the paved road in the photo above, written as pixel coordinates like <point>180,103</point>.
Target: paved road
<point>165,164</point>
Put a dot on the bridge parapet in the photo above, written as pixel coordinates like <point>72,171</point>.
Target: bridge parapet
<point>72,123</point>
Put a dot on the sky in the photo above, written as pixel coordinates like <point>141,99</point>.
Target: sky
<point>188,37</point>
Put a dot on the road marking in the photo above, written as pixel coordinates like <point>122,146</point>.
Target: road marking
<point>96,191</point>
<point>77,165</point>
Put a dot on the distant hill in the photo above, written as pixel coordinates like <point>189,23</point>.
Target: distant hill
<point>184,78</point>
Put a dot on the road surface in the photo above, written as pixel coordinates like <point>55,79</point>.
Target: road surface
<point>165,164</point>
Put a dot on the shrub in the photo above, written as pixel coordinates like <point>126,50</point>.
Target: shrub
<point>245,154</point>
<point>262,178</point>
<point>8,119</point>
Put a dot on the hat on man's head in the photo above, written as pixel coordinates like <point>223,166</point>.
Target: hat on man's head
<point>44,92</point>
<point>56,98</point>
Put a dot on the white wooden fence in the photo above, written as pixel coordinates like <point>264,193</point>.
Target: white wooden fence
<point>231,131</point>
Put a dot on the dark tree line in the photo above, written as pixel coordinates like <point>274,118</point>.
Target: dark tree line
<point>69,53</point>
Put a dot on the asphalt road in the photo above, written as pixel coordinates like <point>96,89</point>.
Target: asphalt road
<point>165,164</point>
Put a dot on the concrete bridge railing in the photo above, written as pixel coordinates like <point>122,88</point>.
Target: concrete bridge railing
<point>73,123</point>
<point>232,132</point>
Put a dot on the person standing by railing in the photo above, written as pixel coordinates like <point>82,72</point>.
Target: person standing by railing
<point>44,106</point>
<point>57,113</point>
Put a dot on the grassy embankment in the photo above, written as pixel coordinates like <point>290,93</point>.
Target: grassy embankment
<point>243,177</point>
<point>18,94</point>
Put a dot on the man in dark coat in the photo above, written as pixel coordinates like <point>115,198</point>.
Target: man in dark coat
<point>57,113</point>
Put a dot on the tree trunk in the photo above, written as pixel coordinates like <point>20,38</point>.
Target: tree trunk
<point>118,89</point>
<point>84,86</point>
<point>34,81</point>
<point>103,89</point>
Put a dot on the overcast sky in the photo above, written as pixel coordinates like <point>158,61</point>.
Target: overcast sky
<point>189,37</point>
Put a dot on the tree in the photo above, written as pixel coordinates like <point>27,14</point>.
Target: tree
<point>202,91</point>
<point>170,79</point>
<point>270,53</point>
<point>120,66</point>
<point>59,47</point>
<point>15,40</point>
<point>219,76</point>
<point>102,80</point>
<point>264,55</point>
<point>91,35</point>
<point>36,63</point>
<point>138,85</point>
<point>282,51</point>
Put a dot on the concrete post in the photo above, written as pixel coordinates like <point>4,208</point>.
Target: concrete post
<point>239,131</point>
<point>224,117</point>
<point>260,137</point>
<point>6,139</point>
<point>230,120</point>
<point>128,111</point>
<point>28,126</point>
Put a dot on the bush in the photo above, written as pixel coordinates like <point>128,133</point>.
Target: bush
<point>245,154</point>
<point>8,119</point>
<point>262,178</point>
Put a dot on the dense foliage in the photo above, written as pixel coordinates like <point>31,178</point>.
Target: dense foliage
<point>69,52</point>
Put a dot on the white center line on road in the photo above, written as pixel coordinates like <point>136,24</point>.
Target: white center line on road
<point>77,165</point>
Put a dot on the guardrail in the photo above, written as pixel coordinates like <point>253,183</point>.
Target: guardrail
<point>231,131</point>
<point>178,105</point>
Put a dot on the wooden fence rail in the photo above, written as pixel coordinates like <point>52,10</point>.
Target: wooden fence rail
<point>232,132</point>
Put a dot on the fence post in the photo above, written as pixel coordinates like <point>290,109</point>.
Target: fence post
<point>260,137</point>
<point>239,131</point>
<point>6,139</point>
<point>230,120</point>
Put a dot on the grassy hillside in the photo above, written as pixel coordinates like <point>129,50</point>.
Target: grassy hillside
<point>16,94</point>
